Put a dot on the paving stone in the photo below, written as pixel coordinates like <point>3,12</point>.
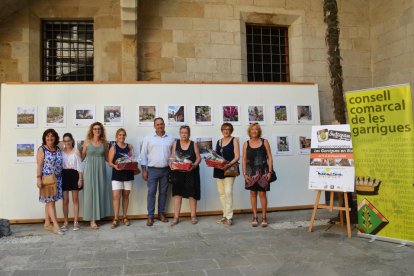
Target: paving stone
<point>187,273</point>
<point>97,271</point>
<point>145,269</point>
<point>43,272</point>
<point>110,255</point>
<point>231,261</point>
<point>224,272</point>
<point>260,259</point>
<point>145,254</point>
<point>192,265</point>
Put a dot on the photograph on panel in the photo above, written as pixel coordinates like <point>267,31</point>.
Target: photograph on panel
<point>113,115</point>
<point>304,114</point>
<point>231,114</point>
<point>176,114</point>
<point>256,114</point>
<point>281,114</point>
<point>26,116</point>
<point>147,114</point>
<point>56,116</point>
<point>203,114</point>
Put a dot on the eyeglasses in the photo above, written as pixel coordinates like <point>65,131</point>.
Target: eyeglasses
<point>67,141</point>
<point>96,128</point>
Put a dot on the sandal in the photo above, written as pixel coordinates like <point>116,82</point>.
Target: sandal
<point>264,222</point>
<point>194,220</point>
<point>223,220</point>
<point>48,227</point>
<point>58,232</point>
<point>126,222</point>
<point>115,223</point>
<point>94,226</point>
<point>75,226</point>
<point>254,222</point>
<point>175,221</point>
<point>64,227</point>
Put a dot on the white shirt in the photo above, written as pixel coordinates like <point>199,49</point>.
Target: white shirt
<point>156,150</point>
<point>72,160</point>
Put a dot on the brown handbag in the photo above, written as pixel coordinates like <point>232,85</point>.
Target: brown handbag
<point>232,171</point>
<point>49,186</point>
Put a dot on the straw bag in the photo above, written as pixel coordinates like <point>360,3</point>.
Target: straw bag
<point>49,186</point>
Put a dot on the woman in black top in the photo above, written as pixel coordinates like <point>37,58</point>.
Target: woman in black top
<point>188,182</point>
<point>257,170</point>
<point>228,148</point>
<point>122,180</point>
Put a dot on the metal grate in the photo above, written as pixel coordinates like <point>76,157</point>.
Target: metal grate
<point>67,50</point>
<point>267,53</point>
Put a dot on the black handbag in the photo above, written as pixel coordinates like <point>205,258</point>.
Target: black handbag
<point>273,177</point>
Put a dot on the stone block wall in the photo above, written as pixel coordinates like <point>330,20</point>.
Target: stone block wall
<point>205,41</point>
<point>392,41</point>
<point>115,57</point>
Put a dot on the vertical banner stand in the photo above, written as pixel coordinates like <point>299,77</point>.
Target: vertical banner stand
<point>330,207</point>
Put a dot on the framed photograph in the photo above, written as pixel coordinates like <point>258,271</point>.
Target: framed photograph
<point>282,144</point>
<point>26,116</point>
<point>256,114</point>
<point>230,114</point>
<point>281,114</point>
<point>204,144</point>
<point>304,114</point>
<point>113,115</point>
<point>304,143</point>
<point>83,115</point>
<point>26,152</point>
<point>79,144</point>
<point>176,115</point>
<point>147,114</point>
<point>56,116</point>
<point>203,115</point>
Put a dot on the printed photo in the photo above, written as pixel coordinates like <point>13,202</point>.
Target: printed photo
<point>304,144</point>
<point>56,116</point>
<point>281,114</point>
<point>26,116</point>
<point>79,144</point>
<point>147,114</point>
<point>176,114</point>
<point>25,152</point>
<point>203,115</point>
<point>204,144</point>
<point>84,115</point>
<point>304,114</point>
<point>283,144</point>
<point>256,114</point>
<point>113,115</point>
<point>230,114</point>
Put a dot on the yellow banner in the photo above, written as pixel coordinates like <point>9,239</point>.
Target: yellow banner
<point>382,130</point>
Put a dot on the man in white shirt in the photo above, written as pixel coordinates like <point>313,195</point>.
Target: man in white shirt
<point>156,150</point>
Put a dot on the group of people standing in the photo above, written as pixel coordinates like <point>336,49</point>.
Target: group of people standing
<point>64,161</point>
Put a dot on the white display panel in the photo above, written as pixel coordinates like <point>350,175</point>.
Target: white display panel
<point>18,191</point>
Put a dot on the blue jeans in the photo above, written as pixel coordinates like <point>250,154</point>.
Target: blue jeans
<point>157,177</point>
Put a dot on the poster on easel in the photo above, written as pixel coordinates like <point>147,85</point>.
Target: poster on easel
<point>331,165</point>
<point>381,121</point>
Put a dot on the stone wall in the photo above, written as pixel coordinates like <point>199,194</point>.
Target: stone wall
<point>20,37</point>
<point>205,41</point>
<point>392,41</point>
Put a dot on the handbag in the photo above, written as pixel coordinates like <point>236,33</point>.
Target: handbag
<point>232,171</point>
<point>273,177</point>
<point>49,186</point>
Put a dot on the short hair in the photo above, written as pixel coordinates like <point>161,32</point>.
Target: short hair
<point>229,125</point>
<point>102,137</point>
<point>158,118</point>
<point>258,128</point>
<point>54,133</point>
<point>71,138</point>
<point>187,128</point>
<point>119,131</point>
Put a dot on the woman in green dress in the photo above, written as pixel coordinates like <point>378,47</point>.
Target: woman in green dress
<point>97,190</point>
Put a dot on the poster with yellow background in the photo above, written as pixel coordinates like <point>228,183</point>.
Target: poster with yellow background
<point>382,130</point>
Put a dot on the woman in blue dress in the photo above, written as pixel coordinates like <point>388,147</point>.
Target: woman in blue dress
<point>49,161</point>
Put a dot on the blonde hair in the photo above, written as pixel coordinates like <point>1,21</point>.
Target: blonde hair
<point>259,129</point>
<point>102,137</point>
<point>119,131</point>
